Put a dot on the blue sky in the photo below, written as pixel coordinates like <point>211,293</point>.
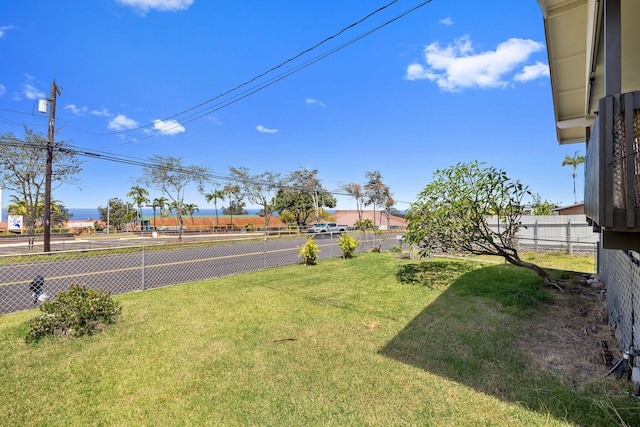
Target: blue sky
<point>452,81</point>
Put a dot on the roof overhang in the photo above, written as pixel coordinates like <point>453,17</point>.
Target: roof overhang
<point>572,36</point>
<point>574,32</point>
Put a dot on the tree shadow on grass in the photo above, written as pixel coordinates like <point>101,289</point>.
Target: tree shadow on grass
<point>469,335</point>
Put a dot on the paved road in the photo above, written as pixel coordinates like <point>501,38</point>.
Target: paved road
<point>150,267</point>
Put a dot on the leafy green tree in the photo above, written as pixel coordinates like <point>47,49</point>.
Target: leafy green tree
<point>117,213</point>
<point>59,214</point>
<point>451,213</point>
<point>259,189</point>
<point>541,207</point>
<point>171,177</point>
<point>574,161</point>
<point>303,196</point>
<point>17,206</point>
<point>23,167</point>
<point>139,196</point>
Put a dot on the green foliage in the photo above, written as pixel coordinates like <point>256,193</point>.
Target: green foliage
<point>395,249</point>
<point>23,171</point>
<point>309,252</point>
<point>79,311</point>
<point>365,225</point>
<point>541,207</point>
<point>348,245</point>
<point>118,212</point>
<point>303,196</point>
<point>451,213</point>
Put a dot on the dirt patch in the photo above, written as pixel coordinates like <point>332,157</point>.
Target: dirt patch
<point>572,337</point>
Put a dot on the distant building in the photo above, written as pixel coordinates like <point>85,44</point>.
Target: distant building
<point>223,221</point>
<point>349,217</point>
<point>577,209</point>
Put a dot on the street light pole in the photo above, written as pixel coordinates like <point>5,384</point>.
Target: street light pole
<point>49,167</point>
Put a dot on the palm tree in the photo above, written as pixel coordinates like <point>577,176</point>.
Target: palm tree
<point>190,209</point>
<point>154,206</point>
<point>17,206</point>
<point>574,161</point>
<point>232,191</point>
<point>161,203</point>
<point>139,196</point>
<point>215,195</point>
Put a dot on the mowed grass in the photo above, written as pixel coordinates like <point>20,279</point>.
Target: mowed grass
<point>374,340</point>
<point>579,262</point>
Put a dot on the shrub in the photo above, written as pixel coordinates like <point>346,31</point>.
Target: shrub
<point>79,311</point>
<point>348,245</point>
<point>309,252</point>
<point>395,249</point>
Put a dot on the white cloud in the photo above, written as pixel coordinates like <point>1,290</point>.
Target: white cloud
<point>457,66</point>
<point>446,21</point>
<point>311,101</point>
<point>532,72</point>
<point>4,29</point>
<point>214,120</point>
<point>29,90</point>
<point>263,129</point>
<point>170,127</point>
<point>3,90</point>
<point>32,92</point>
<point>160,5</point>
<point>74,109</point>
<point>104,112</point>
<point>122,122</point>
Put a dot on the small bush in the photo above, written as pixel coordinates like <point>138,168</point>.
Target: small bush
<point>309,252</point>
<point>79,311</point>
<point>348,245</point>
<point>395,249</point>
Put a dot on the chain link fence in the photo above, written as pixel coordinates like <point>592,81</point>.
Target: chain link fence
<point>620,271</point>
<point>557,254</point>
<point>126,265</point>
<point>121,269</point>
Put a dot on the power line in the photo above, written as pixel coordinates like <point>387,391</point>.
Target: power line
<point>223,104</point>
<point>293,58</point>
<point>133,161</point>
<point>196,115</point>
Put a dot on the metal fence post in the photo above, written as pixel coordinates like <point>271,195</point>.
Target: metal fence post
<point>331,244</point>
<point>143,281</point>
<point>569,245</point>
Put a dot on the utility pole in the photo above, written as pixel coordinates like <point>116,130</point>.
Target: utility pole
<point>49,166</point>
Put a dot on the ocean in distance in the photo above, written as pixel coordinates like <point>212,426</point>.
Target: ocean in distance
<point>92,213</point>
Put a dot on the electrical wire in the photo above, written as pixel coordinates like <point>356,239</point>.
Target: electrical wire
<point>282,64</point>
<point>196,115</point>
<point>225,103</point>
<point>133,161</point>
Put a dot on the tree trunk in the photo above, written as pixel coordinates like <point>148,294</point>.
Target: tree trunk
<point>548,280</point>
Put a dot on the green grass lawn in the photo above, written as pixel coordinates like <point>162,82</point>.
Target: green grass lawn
<point>374,340</point>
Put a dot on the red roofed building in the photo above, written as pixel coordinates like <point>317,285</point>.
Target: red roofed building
<point>349,217</point>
